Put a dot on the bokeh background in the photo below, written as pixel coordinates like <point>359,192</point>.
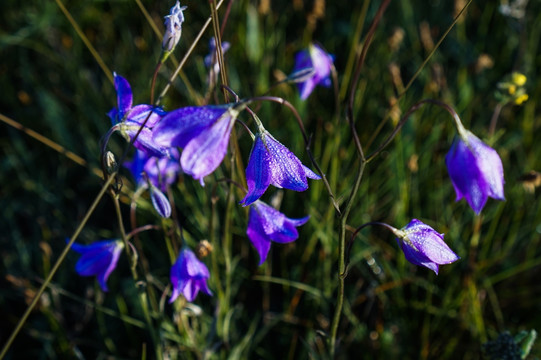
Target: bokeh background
<point>54,85</point>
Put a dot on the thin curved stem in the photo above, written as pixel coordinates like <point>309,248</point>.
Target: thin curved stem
<point>405,118</point>
<point>341,260</point>
<point>307,142</point>
<point>85,40</point>
<point>357,74</point>
<point>357,230</point>
<point>436,47</point>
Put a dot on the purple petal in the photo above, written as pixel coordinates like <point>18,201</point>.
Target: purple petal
<point>160,202</point>
<point>310,174</point>
<point>431,244</point>
<point>188,276</point>
<point>180,126</point>
<point>322,63</point>
<point>466,176</point>
<point>139,113</point>
<point>267,224</point>
<point>162,172</point>
<point>286,169</point>
<point>144,141</point>
<point>124,95</point>
<point>417,258</point>
<point>98,259</point>
<point>204,153</point>
<point>490,165</point>
<point>257,236</point>
<point>258,176</point>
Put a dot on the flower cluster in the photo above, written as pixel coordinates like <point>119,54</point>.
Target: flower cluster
<point>194,139</point>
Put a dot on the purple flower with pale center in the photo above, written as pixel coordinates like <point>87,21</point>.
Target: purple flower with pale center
<point>424,246</point>
<point>476,171</point>
<point>98,259</point>
<point>129,119</point>
<point>320,61</point>
<point>173,27</point>
<point>203,133</point>
<point>272,163</point>
<point>189,276</point>
<point>266,224</point>
<point>211,60</point>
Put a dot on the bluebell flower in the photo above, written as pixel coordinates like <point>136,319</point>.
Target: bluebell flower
<point>272,163</point>
<point>266,224</point>
<point>476,170</point>
<point>98,259</point>
<point>211,60</point>
<point>189,276</point>
<point>202,131</point>
<point>424,246</point>
<point>173,27</point>
<point>129,119</point>
<point>320,61</point>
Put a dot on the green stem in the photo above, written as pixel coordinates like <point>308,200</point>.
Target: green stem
<point>132,259</point>
<point>342,259</point>
<point>56,266</point>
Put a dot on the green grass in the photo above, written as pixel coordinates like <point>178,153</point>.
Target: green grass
<point>52,84</point>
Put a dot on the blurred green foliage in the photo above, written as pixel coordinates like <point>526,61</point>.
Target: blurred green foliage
<point>53,85</point>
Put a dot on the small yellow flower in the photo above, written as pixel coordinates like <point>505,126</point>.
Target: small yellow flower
<point>511,89</point>
<point>518,79</point>
<point>522,98</point>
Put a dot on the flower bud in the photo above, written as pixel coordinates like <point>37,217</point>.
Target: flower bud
<point>173,27</point>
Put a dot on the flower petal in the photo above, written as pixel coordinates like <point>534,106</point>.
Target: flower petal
<point>256,234</point>
<point>418,258</point>
<point>204,153</point>
<point>286,169</point>
<point>490,165</point>
<point>160,202</point>
<point>98,259</point>
<point>258,176</point>
<point>180,126</point>
<point>466,176</point>
<point>188,275</point>
<point>123,94</point>
<point>139,113</point>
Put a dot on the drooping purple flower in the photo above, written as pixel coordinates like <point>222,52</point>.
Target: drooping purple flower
<point>98,259</point>
<point>189,276</point>
<point>272,163</point>
<point>211,60</point>
<point>129,119</point>
<point>476,171</point>
<point>424,246</point>
<point>266,224</point>
<point>203,132</point>
<point>320,61</point>
<point>173,27</point>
